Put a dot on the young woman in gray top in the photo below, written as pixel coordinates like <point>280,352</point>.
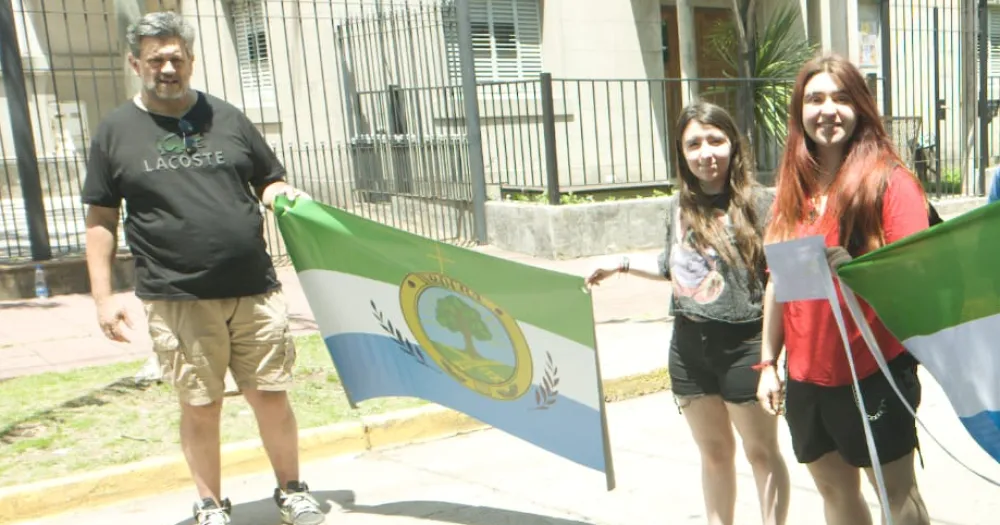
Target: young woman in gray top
<point>714,258</point>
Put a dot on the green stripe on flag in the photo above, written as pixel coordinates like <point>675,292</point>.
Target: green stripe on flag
<point>322,237</point>
<point>935,279</point>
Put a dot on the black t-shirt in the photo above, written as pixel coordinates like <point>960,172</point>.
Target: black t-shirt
<point>193,223</point>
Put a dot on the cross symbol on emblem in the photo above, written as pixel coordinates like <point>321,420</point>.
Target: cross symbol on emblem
<point>439,258</point>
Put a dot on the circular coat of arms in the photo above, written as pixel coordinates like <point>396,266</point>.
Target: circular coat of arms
<point>471,338</point>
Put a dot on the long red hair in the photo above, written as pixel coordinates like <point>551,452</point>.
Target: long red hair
<point>854,199</point>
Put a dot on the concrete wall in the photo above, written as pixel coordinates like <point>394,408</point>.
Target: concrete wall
<point>578,230</point>
<point>582,230</point>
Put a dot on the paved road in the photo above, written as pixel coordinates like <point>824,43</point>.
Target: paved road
<point>489,478</point>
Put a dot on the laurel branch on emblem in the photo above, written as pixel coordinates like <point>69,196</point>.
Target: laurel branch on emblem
<point>405,344</point>
<point>547,393</point>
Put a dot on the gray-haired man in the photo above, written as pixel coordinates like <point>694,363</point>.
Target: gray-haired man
<point>191,168</point>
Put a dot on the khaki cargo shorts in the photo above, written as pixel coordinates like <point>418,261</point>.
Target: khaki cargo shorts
<point>196,341</point>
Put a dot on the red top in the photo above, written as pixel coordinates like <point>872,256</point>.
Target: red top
<point>812,339</point>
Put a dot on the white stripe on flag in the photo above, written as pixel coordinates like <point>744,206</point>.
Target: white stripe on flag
<point>341,303</point>
<point>965,360</point>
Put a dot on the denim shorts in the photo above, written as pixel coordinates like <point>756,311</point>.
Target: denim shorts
<point>715,358</point>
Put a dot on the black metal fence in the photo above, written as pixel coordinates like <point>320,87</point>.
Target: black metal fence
<point>606,132</point>
<point>559,136</point>
<point>327,82</point>
<point>368,104</point>
<point>938,71</point>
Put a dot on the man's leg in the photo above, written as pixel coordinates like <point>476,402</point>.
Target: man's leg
<point>262,362</point>
<point>200,442</point>
<point>191,341</point>
<point>278,432</point>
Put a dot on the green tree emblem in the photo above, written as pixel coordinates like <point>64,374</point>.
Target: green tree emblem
<point>455,315</point>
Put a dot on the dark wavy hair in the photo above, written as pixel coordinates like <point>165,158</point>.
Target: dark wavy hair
<point>696,207</point>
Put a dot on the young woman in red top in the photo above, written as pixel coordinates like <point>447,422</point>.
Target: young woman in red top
<point>840,177</point>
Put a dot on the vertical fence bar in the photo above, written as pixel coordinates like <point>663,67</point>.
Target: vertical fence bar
<point>471,96</point>
<point>24,142</point>
<point>936,95</point>
<point>549,132</point>
<point>984,114</point>
<point>565,129</point>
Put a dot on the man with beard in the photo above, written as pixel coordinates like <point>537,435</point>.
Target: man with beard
<point>193,171</point>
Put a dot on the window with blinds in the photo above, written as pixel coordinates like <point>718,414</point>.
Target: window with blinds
<point>506,40</point>
<point>253,52</point>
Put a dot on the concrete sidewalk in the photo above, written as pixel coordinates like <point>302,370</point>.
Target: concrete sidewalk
<point>61,333</point>
<point>490,478</point>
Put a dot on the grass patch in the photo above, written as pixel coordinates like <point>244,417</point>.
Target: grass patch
<point>622,388</point>
<point>62,423</point>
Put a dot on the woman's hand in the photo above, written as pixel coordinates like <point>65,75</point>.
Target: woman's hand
<point>770,390</point>
<point>837,256</point>
<point>601,274</point>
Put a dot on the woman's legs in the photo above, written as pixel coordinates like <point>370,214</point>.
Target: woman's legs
<point>840,486</point>
<point>759,433</point>
<point>905,503</point>
<point>828,435</point>
<point>712,431</point>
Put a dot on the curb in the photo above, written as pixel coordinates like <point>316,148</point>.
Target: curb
<point>168,473</point>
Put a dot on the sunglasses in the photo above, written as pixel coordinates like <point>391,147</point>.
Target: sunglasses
<point>187,134</point>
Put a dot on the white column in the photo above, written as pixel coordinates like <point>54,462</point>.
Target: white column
<point>833,24</point>
<point>853,31</point>
<point>688,53</point>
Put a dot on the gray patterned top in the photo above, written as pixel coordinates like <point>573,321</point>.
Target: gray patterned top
<point>704,286</point>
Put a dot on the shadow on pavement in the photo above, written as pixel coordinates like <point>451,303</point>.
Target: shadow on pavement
<point>264,512</point>
<point>24,428</point>
<point>43,305</point>
<point>630,320</point>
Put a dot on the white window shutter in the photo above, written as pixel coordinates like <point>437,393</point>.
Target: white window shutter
<point>506,40</point>
<point>253,52</point>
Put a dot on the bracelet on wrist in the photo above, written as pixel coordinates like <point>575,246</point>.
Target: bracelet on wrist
<point>770,363</point>
<point>623,266</point>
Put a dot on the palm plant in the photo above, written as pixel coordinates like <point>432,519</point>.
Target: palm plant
<point>778,54</point>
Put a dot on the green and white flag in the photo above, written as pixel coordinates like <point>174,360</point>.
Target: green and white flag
<point>402,315</point>
<point>938,291</point>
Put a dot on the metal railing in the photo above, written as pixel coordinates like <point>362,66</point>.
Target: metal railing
<point>606,132</point>
<point>325,118</point>
<point>934,71</point>
<point>379,125</point>
<point>558,136</point>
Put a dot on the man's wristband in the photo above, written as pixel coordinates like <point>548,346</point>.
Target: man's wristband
<point>765,364</point>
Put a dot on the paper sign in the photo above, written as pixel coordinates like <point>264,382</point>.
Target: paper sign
<point>799,269</point>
